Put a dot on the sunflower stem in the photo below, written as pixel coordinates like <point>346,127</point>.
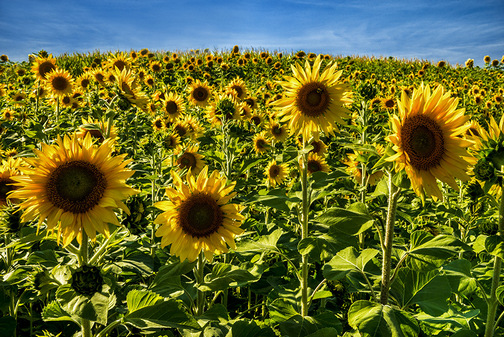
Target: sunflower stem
<point>492,299</point>
<point>304,232</point>
<point>364,180</point>
<point>86,324</point>
<point>389,237</point>
<point>200,301</point>
<point>57,111</point>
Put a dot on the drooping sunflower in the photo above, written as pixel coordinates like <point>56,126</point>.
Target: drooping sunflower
<point>199,93</point>
<point>189,159</point>
<point>312,101</point>
<point>198,216</point>
<point>276,173</point>
<point>42,66</point>
<point>173,106</point>
<point>74,186</point>
<point>59,82</point>
<point>428,140</point>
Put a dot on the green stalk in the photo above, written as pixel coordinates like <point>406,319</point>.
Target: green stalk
<point>304,232</point>
<point>492,300</point>
<point>389,237</point>
<point>200,301</point>
<point>86,324</point>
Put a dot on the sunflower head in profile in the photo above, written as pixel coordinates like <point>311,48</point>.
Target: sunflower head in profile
<point>130,89</point>
<point>199,93</point>
<point>190,160</point>
<point>429,140</point>
<point>96,128</point>
<point>74,186</point>
<point>42,66</point>
<point>59,82</point>
<point>197,217</point>
<point>172,107</point>
<point>313,101</point>
<point>225,107</point>
<point>276,173</point>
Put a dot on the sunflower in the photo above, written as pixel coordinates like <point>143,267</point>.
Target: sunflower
<point>276,173</point>
<point>96,128</point>
<point>313,101</point>
<point>42,66</point>
<point>316,163</point>
<point>59,82</point>
<point>199,93</point>
<point>158,124</point>
<point>261,143</point>
<point>198,216</point>
<point>171,141</point>
<point>8,114</point>
<point>237,88</point>
<point>173,106</point>
<point>277,131</point>
<point>19,98</point>
<point>225,106</point>
<point>129,87</point>
<point>155,66</point>
<point>119,61</point>
<point>190,159</point>
<point>428,140</point>
<point>8,169</point>
<point>74,186</point>
<point>193,125</point>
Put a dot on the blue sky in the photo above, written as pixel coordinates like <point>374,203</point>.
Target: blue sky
<point>430,30</point>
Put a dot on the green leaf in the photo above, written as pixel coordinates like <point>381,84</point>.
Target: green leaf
<point>243,328</point>
<point>345,221</point>
<point>167,282</point>
<point>137,299</point>
<point>7,326</point>
<point>458,273</point>
<point>93,308</point>
<point>500,294</point>
<point>226,275</point>
<point>168,314</point>
<point>346,261</point>
<point>320,325</point>
<point>430,290</point>
<point>450,321</point>
<point>54,312</point>
<point>428,251</point>
<point>280,310</point>
<point>377,320</point>
<point>493,244</point>
<point>324,332</point>
<point>264,243</point>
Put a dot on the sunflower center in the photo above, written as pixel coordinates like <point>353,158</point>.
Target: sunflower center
<point>238,89</point>
<point>76,186</point>
<point>200,215</point>
<point>274,171</point>
<point>171,107</point>
<point>45,67</point>
<point>313,99</point>
<point>316,147</point>
<point>261,143</point>
<point>187,160</point>
<point>277,130</point>
<point>423,141</point>
<point>314,166</point>
<point>119,64</point>
<point>200,94</point>
<point>59,83</point>
<point>5,188</point>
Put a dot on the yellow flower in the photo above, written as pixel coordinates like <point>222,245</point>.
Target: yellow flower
<point>199,93</point>
<point>173,107</point>
<point>59,82</point>
<point>198,216</point>
<point>8,169</point>
<point>237,88</point>
<point>42,66</point>
<point>276,173</point>
<point>316,163</point>
<point>427,140</point>
<point>96,128</point>
<point>129,87</point>
<point>261,142</point>
<point>313,102</point>
<point>74,187</point>
<point>190,159</point>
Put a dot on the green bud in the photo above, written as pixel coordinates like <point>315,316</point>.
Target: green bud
<point>484,170</point>
<point>87,280</point>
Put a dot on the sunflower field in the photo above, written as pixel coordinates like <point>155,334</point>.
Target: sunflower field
<point>250,193</point>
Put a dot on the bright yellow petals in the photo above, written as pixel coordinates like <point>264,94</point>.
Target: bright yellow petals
<point>74,186</point>
<point>313,101</point>
<point>276,173</point>
<point>197,216</point>
<point>428,140</point>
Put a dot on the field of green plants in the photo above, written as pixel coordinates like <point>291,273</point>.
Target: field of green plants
<point>250,193</point>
